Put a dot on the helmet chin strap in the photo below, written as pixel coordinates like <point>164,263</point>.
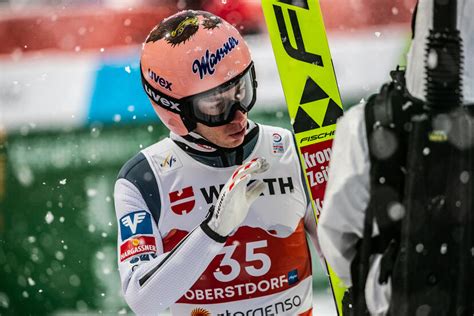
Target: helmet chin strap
<point>196,138</point>
<point>201,140</point>
<point>211,154</point>
<point>189,124</point>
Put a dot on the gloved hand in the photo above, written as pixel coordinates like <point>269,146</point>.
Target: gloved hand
<point>236,197</point>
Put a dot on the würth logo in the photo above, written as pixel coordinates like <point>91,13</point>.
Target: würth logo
<point>182,202</point>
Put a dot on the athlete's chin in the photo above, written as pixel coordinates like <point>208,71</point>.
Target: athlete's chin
<point>232,143</point>
<point>234,139</point>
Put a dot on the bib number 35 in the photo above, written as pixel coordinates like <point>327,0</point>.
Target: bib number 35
<point>260,262</point>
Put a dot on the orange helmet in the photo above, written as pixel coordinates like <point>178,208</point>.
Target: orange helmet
<point>196,67</point>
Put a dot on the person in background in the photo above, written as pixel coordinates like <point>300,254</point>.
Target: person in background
<point>398,220</point>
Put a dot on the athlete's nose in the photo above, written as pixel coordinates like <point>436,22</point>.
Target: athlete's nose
<point>239,117</point>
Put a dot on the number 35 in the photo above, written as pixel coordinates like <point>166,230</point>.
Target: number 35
<point>250,256</point>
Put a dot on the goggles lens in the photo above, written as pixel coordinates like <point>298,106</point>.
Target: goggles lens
<point>218,106</point>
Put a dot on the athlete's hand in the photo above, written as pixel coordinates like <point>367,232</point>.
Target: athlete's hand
<point>236,197</point>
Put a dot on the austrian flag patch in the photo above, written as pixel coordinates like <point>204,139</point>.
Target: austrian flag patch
<point>137,246</point>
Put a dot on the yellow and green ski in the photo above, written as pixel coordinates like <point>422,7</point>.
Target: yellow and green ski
<point>309,83</point>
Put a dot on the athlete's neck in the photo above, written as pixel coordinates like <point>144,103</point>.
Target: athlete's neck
<point>208,153</point>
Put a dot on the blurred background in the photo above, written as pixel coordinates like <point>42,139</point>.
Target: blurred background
<point>72,111</point>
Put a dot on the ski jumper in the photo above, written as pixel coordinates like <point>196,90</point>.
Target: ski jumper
<point>168,259</point>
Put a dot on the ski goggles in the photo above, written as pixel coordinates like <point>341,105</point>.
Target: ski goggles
<point>217,106</point>
<point>214,107</point>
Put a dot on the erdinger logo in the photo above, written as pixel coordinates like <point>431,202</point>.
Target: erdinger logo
<point>209,61</point>
<point>182,202</point>
<point>200,312</point>
<point>181,27</point>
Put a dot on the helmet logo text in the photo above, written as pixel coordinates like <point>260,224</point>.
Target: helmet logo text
<point>209,61</point>
<point>160,100</point>
<point>160,80</point>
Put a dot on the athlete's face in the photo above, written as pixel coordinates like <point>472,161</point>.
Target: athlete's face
<point>227,136</point>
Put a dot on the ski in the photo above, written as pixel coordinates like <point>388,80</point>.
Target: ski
<point>301,50</point>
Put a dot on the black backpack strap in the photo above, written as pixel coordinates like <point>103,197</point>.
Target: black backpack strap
<point>360,264</point>
<point>385,117</point>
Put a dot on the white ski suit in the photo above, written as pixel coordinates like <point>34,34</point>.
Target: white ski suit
<point>166,259</point>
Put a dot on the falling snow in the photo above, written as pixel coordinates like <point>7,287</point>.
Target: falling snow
<point>464,177</point>
<point>4,300</point>
<point>31,282</point>
<point>49,218</point>
<point>91,228</point>
<point>396,211</point>
<point>47,257</point>
<point>419,248</point>
<point>59,255</point>
<point>432,59</point>
<point>100,255</point>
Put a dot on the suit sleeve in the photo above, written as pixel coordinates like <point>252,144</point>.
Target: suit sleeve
<point>153,280</point>
<point>341,222</point>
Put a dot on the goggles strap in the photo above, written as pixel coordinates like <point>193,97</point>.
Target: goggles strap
<point>161,99</point>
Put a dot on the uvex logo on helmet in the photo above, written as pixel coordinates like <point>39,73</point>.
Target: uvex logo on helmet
<point>160,80</point>
<point>160,99</point>
<point>209,61</point>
